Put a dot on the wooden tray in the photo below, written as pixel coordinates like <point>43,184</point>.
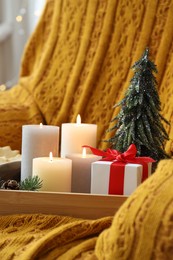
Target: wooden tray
<point>68,204</point>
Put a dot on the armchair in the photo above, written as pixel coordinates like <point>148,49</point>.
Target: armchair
<point>78,60</point>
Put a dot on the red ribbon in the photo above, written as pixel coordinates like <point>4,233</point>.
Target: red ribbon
<point>127,157</point>
<point>116,181</point>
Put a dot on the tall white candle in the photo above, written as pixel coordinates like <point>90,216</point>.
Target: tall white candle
<point>75,135</point>
<point>37,141</point>
<point>54,172</point>
<point>81,171</point>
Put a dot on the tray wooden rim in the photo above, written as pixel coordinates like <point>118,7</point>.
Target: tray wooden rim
<point>80,205</point>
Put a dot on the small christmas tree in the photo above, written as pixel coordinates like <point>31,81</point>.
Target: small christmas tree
<point>139,119</point>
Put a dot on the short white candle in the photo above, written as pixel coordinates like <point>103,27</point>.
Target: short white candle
<point>81,171</point>
<point>37,141</point>
<point>75,135</point>
<point>54,172</point>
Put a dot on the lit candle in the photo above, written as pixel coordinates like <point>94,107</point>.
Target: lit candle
<point>75,135</point>
<point>37,141</point>
<point>54,172</point>
<point>81,171</point>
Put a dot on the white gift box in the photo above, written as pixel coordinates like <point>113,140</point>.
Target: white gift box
<point>101,181</point>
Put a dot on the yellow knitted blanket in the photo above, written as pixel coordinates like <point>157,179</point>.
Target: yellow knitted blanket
<point>78,61</point>
<point>141,229</point>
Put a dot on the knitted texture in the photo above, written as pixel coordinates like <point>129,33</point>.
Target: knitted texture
<point>143,227</point>
<point>47,237</point>
<point>78,61</point>
<point>17,108</point>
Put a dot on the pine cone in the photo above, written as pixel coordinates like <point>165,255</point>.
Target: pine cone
<point>10,185</point>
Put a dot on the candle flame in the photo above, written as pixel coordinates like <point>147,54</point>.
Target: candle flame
<point>84,152</point>
<point>78,119</point>
<point>41,125</point>
<point>50,156</point>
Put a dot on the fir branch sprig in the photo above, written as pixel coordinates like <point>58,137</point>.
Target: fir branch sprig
<point>31,183</point>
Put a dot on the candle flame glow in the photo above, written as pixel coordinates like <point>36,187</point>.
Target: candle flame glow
<point>41,125</point>
<point>84,152</point>
<point>78,119</point>
<point>50,157</point>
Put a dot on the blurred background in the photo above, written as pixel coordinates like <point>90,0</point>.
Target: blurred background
<point>18,19</point>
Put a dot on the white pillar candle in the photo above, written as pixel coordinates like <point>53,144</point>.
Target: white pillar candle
<point>81,171</point>
<point>37,141</point>
<point>54,172</point>
<point>75,135</point>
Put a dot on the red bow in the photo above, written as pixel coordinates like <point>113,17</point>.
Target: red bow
<point>127,157</point>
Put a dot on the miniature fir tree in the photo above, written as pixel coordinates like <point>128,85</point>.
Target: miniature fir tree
<point>139,120</point>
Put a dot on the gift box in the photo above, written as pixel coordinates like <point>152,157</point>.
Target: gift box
<point>119,173</point>
<point>116,178</point>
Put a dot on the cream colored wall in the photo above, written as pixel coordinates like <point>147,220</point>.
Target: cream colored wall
<point>11,46</point>
<point>14,38</point>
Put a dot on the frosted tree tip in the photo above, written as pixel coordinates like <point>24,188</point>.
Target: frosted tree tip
<point>146,53</point>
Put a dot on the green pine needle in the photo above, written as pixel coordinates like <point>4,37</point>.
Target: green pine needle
<point>31,183</point>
